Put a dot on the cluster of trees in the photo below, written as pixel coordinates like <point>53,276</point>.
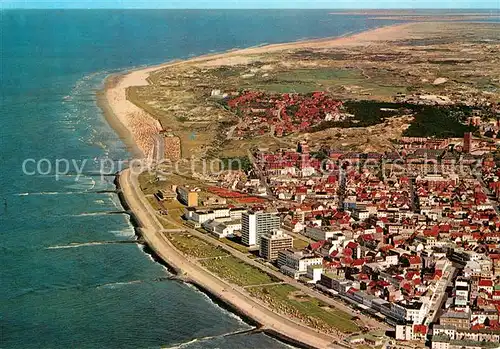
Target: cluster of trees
<point>431,121</point>
<point>366,113</point>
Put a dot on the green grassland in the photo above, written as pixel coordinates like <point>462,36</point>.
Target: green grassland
<point>379,84</point>
<point>194,247</point>
<point>238,272</point>
<point>300,244</point>
<point>305,308</point>
<point>231,242</point>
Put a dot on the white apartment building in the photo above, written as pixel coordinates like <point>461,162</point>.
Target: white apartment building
<point>314,272</point>
<point>255,224</point>
<point>207,214</point>
<point>360,215</point>
<point>321,233</point>
<point>461,292</point>
<point>295,263</point>
<point>222,229</point>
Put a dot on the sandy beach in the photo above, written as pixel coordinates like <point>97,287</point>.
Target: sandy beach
<point>138,128</point>
<point>270,321</point>
<point>135,126</point>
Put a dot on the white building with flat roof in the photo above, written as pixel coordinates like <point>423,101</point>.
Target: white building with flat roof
<point>295,263</point>
<point>255,224</point>
<point>321,233</point>
<point>222,229</point>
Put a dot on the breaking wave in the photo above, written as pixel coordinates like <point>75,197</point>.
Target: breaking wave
<point>53,193</point>
<point>104,213</point>
<point>119,284</point>
<point>76,244</point>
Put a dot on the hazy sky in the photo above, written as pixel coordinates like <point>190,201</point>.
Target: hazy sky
<point>491,4</point>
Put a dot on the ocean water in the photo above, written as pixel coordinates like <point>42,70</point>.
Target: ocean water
<point>63,284</point>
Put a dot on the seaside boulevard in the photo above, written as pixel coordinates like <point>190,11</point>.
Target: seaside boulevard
<point>138,129</point>
<point>151,229</point>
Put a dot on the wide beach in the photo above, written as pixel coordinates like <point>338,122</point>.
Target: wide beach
<point>139,129</point>
<point>151,231</point>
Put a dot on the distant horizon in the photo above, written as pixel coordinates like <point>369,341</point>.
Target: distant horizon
<point>256,4</point>
<point>255,8</point>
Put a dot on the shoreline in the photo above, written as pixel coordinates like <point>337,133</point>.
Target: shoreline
<point>176,272</point>
<point>249,310</point>
<point>137,128</point>
<point>120,129</point>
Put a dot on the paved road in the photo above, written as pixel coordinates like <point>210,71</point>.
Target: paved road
<point>437,298</point>
<point>370,322</point>
<point>260,174</point>
<point>236,296</point>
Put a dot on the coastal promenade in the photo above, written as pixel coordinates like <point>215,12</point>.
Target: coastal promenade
<point>367,321</point>
<point>139,130</point>
<point>270,321</point>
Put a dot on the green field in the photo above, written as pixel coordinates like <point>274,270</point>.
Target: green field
<point>194,247</point>
<point>238,272</point>
<point>288,87</point>
<point>306,308</point>
<point>321,79</point>
<point>321,74</point>
<point>230,242</point>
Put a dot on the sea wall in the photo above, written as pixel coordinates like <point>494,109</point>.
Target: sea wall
<point>180,276</point>
<point>134,220</point>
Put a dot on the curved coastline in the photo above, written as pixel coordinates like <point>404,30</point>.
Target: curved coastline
<point>137,128</point>
<point>251,311</point>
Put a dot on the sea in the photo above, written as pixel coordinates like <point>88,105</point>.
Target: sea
<point>72,275</point>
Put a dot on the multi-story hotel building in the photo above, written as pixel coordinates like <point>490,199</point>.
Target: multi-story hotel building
<point>272,243</point>
<point>255,224</point>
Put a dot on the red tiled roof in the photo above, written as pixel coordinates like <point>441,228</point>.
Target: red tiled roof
<point>415,260</point>
<point>358,262</point>
<point>422,329</point>
<point>352,245</point>
<point>485,283</point>
<point>347,261</point>
<point>316,245</point>
<point>383,283</point>
<point>367,237</point>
